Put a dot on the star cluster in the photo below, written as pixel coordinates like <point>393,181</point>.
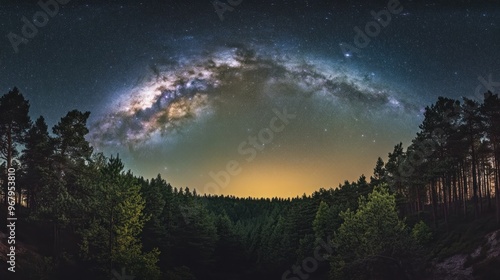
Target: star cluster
<point>175,89</point>
<point>174,96</point>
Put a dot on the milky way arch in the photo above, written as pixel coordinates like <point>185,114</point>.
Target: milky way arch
<point>175,96</point>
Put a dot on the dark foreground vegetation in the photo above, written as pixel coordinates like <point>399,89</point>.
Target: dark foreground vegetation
<point>81,215</point>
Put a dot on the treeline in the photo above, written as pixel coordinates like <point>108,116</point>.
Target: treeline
<point>88,217</point>
<point>453,161</point>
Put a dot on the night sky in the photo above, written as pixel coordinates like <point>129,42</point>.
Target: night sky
<point>274,98</point>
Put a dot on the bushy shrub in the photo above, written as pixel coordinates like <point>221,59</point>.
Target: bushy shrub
<point>422,233</point>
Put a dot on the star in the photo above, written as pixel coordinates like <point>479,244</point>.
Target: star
<point>177,91</point>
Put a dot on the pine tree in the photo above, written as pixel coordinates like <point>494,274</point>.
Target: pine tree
<point>155,198</point>
<point>111,238</point>
<point>472,127</point>
<point>378,173</point>
<point>491,112</point>
<point>192,232</point>
<point>372,240</point>
<point>394,172</point>
<point>14,123</point>
<point>229,253</point>
<point>65,191</point>
<point>70,134</point>
<point>36,158</point>
<point>323,222</point>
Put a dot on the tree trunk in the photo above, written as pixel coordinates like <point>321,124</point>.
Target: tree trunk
<point>434,201</point>
<point>487,186</point>
<point>466,195</point>
<point>455,194</point>
<point>480,189</point>
<point>497,189</point>
<point>445,201</point>
<point>474,182</point>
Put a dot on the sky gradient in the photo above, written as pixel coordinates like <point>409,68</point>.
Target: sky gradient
<point>262,101</point>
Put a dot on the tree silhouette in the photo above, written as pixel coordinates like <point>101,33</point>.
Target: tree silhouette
<point>37,153</point>
<point>14,123</point>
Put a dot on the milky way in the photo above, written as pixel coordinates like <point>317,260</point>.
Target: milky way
<point>173,97</point>
<point>175,90</point>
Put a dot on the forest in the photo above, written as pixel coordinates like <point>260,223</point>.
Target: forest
<point>83,215</point>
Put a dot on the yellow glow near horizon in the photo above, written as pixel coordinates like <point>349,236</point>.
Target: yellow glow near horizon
<point>282,179</point>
